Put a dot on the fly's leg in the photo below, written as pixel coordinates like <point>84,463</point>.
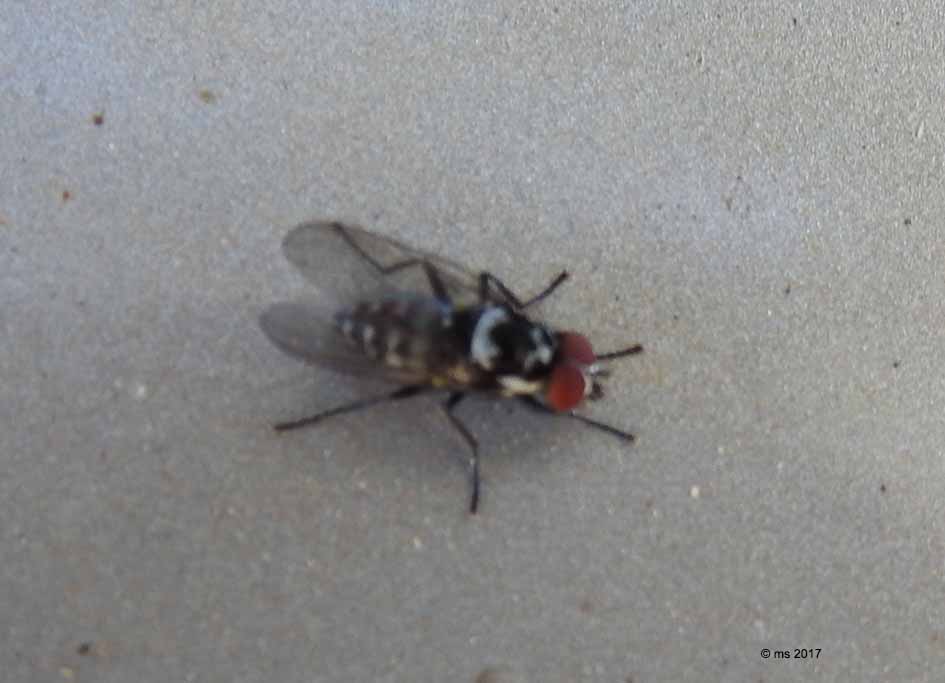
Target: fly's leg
<point>540,407</point>
<point>451,403</point>
<point>629,351</point>
<point>560,278</point>
<point>609,429</point>
<point>433,275</point>
<point>487,279</point>
<point>403,392</point>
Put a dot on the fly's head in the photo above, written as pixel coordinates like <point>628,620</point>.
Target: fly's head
<point>574,373</point>
<point>529,359</point>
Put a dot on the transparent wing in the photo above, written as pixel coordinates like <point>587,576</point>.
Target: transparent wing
<point>306,331</point>
<point>348,263</point>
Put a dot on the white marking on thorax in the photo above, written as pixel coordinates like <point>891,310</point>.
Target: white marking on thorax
<point>542,353</point>
<point>512,385</point>
<point>484,351</point>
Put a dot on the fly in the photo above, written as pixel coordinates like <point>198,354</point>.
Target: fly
<point>428,325</point>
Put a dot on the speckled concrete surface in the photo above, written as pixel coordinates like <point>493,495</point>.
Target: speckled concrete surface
<point>754,194</point>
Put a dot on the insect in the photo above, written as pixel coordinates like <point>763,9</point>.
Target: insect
<point>429,325</point>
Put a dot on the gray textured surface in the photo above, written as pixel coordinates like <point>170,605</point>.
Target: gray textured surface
<point>754,194</point>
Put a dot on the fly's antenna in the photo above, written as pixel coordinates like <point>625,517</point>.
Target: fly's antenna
<point>613,355</point>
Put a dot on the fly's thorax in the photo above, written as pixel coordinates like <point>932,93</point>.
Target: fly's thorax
<point>399,332</point>
<point>517,351</point>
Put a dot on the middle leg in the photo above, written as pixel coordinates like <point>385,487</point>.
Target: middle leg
<point>451,403</point>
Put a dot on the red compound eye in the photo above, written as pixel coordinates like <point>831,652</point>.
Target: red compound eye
<point>566,387</point>
<point>575,347</point>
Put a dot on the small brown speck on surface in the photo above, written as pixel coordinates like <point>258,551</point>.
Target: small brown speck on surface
<point>498,675</point>
<point>98,119</point>
<point>882,488</point>
<point>907,221</point>
<point>84,648</point>
<point>66,195</point>
<point>487,676</point>
<point>207,96</point>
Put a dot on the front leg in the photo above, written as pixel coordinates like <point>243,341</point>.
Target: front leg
<point>540,407</point>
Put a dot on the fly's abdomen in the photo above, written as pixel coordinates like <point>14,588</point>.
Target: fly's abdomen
<point>400,332</point>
